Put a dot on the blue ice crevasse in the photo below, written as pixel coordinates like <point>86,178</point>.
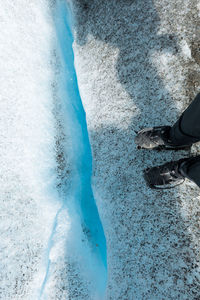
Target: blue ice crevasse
<point>80,190</point>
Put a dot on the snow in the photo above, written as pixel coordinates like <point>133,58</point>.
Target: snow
<point>137,64</point>
<point>51,236</point>
<point>27,145</point>
<point>136,68</point>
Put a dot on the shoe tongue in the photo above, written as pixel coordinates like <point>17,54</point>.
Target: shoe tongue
<point>177,172</point>
<point>182,167</point>
<point>165,134</point>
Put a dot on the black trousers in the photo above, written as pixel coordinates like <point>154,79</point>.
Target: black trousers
<point>187,131</point>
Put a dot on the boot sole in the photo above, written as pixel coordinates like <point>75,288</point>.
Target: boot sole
<point>164,147</point>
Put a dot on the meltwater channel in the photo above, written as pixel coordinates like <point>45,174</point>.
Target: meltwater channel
<point>81,190</point>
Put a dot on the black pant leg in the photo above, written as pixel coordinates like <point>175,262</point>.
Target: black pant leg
<point>187,129</point>
<point>193,171</point>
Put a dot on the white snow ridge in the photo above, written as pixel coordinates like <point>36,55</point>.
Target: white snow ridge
<point>52,243</point>
<point>77,221</point>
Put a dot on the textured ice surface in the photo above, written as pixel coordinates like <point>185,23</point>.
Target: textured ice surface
<point>47,248</point>
<point>138,65</point>
<point>27,152</point>
<point>85,244</point>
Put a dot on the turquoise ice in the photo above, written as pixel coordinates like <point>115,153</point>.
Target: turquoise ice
<point>80,195</point>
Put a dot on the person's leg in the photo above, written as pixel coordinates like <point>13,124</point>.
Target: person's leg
<point>192,169</point>
<point>173,173</point>
<point>182,134</point>
<point>187,129</point>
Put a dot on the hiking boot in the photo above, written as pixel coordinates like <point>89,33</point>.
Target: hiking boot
<point>157,138</point>
<point>169,174</point>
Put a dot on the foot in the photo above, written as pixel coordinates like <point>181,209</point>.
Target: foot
<point>157,138</point>
<point>168,175</point>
